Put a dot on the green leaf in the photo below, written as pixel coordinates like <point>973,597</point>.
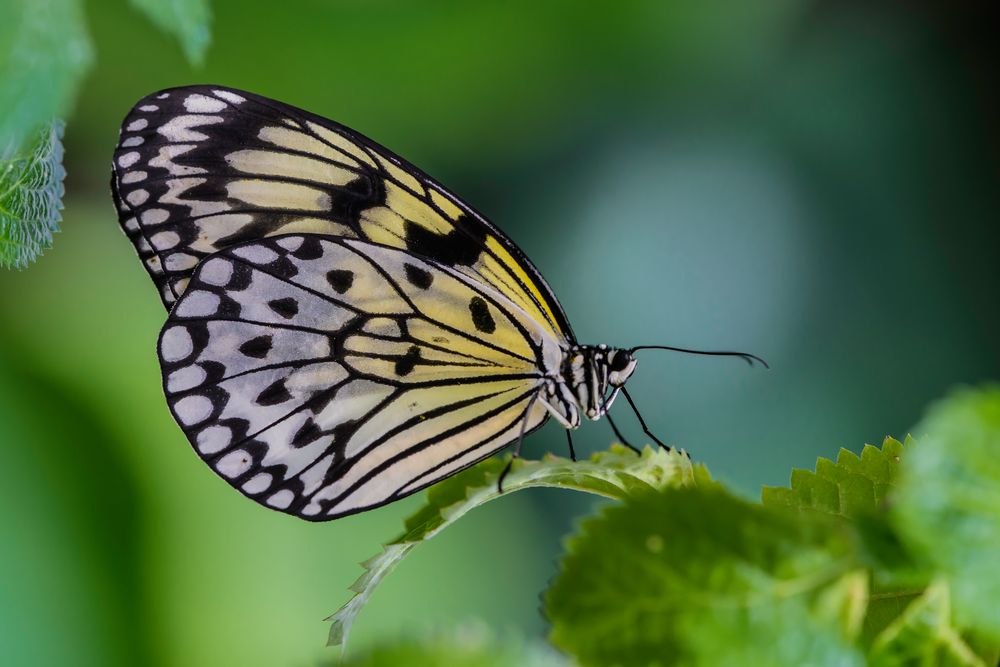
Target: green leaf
<point>924,634</point>
<point>694,576</point>
<point>856,490</point>
<point>468,647</point>
<point>44,52</point>
<point>31,190</point>
<point>948,503</point>
<point>850,487</point>
<point>617,473</point>
<point>187,20</point>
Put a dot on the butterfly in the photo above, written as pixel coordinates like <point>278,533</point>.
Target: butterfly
<point>343,331</point>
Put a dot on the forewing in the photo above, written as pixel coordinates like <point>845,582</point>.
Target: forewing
<point>200,168</point>
<point>323,376</point>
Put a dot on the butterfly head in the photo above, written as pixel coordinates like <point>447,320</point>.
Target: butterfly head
<point>589,380</point>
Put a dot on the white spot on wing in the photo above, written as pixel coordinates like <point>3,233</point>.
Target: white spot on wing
<point>154,216</point>
<point>132,141</point>
<point>291,243</point>
<point>137,197</point>
<point>203,104</point>
<point>180,261</point>
<point>217,271</point>
<point>176,344</point>
<point>128,159</point>
<point>229,96</point>
<point>164,240</point>
<point>198,304</point>
<point>179,128</point>
<point>134,177</point>
<point>149,107</point>
<point>281,499</point>
<point>214,439</point>
<point>259,482</point>
<point>193,409</point>
<point>256,254</point>
<point>185,378</point>
<point>234,464</point>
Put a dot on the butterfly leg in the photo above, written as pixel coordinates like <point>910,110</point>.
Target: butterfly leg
<point>569,441</point>
<point>618,434</point>
<point>642,422</point>
<point>517,447</point>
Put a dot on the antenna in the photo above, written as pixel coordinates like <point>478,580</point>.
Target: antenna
<point>745,356</point>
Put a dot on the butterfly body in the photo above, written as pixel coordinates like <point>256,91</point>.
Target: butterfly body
<point>342,331</point>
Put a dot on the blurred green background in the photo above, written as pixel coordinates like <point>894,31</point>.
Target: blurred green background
<point>815,182</point>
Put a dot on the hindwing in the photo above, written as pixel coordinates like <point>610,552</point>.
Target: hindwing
<point>322,376</point>
<point>200,168</point>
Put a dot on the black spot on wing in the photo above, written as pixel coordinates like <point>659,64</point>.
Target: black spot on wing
<point>406,363</point>
<point>256,347</point>
<point>481,317</point>
<point>311,248</point>
<point>273,394</point>
<point>418,277</point>
<point>286,307</point>
<point>340,280</point>
<point>308,432</point>
<point>460,246</point>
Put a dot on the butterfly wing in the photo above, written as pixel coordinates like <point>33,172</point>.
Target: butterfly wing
<point>322,376</point>
<point>203,167</point>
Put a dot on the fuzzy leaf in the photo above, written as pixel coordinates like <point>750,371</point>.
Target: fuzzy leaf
<point>694,576</point>
<point>617,473</point>
<point>44,52</point>
<point>948,503</point>
<point>924,634</point>
<point>187,20</point>
<point>31,190</point>
<point>468,647</point>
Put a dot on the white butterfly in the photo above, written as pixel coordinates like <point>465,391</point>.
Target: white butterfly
<point>343,331</point>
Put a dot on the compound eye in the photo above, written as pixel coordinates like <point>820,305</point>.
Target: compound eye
<point>619,361</point>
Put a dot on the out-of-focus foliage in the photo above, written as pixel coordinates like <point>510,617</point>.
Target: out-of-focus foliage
<point>615,474</point>
<point>925,634</point>
<point>948,504</point>
<point>44,52</point>
<point>810,180</point>
<point>693,576</point>
<point>188,20</point>
<point>696,576</point>
<point>467,647</point>
<point>31,190</point>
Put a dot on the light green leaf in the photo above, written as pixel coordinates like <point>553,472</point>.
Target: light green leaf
<point>468,647</point>
<point>850,487</point>
<point>694,576</point>
<point>44,52</point>
<point>187,20</point>
<point>924,634</point>
<point>617,473</point>
<point>31,190</point>
<point>948,503</point>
